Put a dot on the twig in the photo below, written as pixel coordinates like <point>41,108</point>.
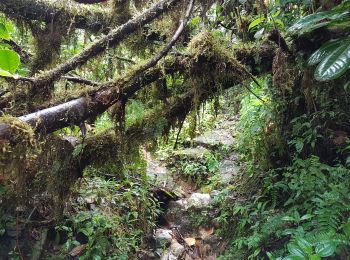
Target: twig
<point>81,80</point>
<point>173,40</point>
<point>25,56</point>
<point>178,133</point>
<point>255,81</point>
<point>124,59</point>
<point>251,91</point>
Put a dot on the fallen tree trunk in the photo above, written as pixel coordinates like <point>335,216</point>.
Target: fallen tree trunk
<point>75,111</point>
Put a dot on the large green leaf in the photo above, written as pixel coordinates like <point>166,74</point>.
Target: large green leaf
<point>305,245</point>
<point>295,250</point>
<point>5,73</point>
<point>294,257</point>
<point>4,34</point>
<point>335,64</point>
<point>325,50</point>
<point>325,248</point>
<point>320,19</point>
<point>256,22</point>
<point>9,60</point>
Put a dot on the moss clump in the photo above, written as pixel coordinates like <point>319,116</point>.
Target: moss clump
<point>204,46</point>
<point>21,141</point>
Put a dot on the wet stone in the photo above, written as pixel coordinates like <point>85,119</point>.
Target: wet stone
<point>215,138</point>
<point>163,237</point>
<point>228,169</point>
<point>199,200</point>
<point>192,153</point>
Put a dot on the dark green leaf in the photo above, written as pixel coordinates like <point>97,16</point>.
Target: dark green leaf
<point>335,64</point>
<point>304,245</point>
<point>325,50</point>
<point>326,248</point>
<point>295,250</point>
<point>320,19</point>
<point>294,257</point>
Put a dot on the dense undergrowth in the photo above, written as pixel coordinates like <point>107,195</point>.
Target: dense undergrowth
<point>299,209</point>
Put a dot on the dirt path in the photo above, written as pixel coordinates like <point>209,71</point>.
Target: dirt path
<point>187,226</point>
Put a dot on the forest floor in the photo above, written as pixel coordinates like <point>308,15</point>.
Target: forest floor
<point>195,175</point>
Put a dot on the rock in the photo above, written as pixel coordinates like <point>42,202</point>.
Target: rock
<point>178,216</point>
<point>199,200</point>
<point>215,138</point>
<point>228,169</point>
<point>177,249</point>
<point>163,237</point>
<point>147,255</point>
<point>192,153</point>
<point>168,256</point>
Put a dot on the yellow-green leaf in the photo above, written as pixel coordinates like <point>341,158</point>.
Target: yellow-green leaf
<point>9,60</point>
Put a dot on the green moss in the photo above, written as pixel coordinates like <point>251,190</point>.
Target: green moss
<point>205,45</point>
<point>22,138</point>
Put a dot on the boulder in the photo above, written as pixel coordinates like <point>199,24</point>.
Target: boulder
<point>199,200</point>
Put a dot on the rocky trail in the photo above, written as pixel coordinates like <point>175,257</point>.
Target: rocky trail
<point>186,229</point>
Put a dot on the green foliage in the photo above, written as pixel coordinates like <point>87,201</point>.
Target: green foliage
<point>135,111</point>
<point>264,24</point>
<point>9,59</point>
<point>334,56</point>
<point>121,213</point>
<point>254,137</point>
<point>337,17</point>
<point>318,191</point>
<point>334,59</point>
<point>200,170</point>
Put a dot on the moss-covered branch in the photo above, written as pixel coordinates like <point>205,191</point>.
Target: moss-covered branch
<point>71,13</point>
<point>209,66</point>
<point>113,38</point>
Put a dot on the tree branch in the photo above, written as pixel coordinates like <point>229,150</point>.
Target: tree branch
<point>90,1</point>
<point>80,16</point>
<point>78,110</point>
<point>110,40</point>
<point>81,81</point>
